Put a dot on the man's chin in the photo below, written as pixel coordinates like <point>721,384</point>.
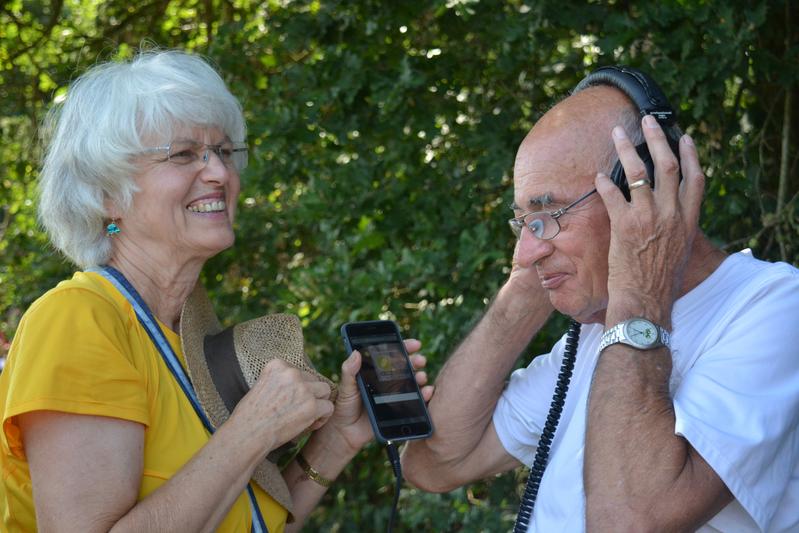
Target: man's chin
<point>577,312</point>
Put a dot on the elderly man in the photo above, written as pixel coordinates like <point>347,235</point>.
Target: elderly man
<point>683,403</point>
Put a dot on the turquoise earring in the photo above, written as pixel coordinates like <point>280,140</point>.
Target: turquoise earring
<point>112,229</point>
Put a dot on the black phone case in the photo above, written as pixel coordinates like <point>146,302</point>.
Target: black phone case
<point>365,394</point>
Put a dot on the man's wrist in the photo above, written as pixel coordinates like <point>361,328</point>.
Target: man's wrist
<point>516,302</point>
<point>624,308</point>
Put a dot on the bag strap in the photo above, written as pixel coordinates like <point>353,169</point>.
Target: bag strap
<point>172,362</point>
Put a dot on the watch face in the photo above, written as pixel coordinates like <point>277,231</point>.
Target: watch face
<point>642,332</point>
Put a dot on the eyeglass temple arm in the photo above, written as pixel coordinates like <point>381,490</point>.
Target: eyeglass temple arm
<point>562,210</point>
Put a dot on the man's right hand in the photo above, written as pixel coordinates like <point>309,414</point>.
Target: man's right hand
<point>523,287</point>
<point>465,446</point>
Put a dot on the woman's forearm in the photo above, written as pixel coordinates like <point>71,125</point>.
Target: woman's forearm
<point>200,495</point>
<point>327,453</point>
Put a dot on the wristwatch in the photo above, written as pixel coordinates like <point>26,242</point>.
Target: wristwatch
<point>639,333</point>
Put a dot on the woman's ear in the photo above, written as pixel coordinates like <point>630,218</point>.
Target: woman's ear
<point>112,210</point>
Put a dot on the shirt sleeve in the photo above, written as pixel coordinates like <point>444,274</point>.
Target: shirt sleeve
<point>71,353</point>
<point>522,408</point>
<point>738,405</point>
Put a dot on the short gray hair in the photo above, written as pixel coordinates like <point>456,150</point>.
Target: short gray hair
<point>92,136</point>
<point>629,119</point>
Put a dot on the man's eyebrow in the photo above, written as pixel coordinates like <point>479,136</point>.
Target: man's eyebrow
<point>542,200</point>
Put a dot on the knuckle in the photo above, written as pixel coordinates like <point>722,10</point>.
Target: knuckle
<point>275,364</point>
<point>698,176</point>
<point>637,173</point>
<point>671,165</point>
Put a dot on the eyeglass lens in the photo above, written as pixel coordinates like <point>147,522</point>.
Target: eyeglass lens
<point>542,225</point>
<point>188,152</point>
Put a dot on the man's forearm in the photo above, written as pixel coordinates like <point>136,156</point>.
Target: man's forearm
<point>638,473</point>
<point>472,380</point>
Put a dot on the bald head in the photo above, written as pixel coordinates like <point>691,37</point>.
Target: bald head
<point>577,132</point>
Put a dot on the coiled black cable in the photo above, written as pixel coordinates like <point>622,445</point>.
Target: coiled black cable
<point>548,433</point>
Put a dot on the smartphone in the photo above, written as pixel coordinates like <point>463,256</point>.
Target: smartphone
<point>387,383</point>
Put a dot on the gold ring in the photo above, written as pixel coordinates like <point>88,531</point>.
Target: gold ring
<point>639,183</point>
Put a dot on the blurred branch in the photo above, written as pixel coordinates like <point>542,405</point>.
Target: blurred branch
<point>785,147</point>
<point>209,23</point>
<point>5,221</point>
<point>156,15</point>
<point>784,157</point>
<point>54,16</point>
<point>11,14</point>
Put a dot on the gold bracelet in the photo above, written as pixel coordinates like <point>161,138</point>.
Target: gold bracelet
<point>311,473</point>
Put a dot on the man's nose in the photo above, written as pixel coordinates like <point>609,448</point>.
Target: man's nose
<point>531,249</point>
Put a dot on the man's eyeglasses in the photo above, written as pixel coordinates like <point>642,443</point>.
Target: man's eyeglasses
<point>232,155</point>
<point>543,224</point>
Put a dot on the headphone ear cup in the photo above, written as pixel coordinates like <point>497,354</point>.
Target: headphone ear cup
<point>618,176</point>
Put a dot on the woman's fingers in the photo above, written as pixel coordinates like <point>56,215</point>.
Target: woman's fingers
<point>287,400</point>
<point>412,345</point>
<point>347,387</point>
<point>326,409</point>
<point>319,389</point>
<point>427,392</point>
<point>418,361</point>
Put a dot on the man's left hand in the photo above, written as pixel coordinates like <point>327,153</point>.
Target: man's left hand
<point>652,235</point>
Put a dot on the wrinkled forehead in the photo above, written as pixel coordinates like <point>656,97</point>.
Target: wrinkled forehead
<point>568,146</point>
<point>551,171</point>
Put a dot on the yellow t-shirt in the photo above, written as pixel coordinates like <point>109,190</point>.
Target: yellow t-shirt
<point>80,349</point>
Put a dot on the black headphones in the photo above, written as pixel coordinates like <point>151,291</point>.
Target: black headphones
<point>649,100</point>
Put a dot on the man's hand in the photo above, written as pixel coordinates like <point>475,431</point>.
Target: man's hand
<point>652,235</point>
<point>638,474</point>
<point>523,287</point>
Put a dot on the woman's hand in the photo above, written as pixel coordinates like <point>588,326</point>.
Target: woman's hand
<point>349,420</point>
<point>283,403</point>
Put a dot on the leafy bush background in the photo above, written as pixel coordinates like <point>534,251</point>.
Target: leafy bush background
<point>382,141</point>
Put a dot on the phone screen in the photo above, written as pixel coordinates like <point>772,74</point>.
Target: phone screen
<point>395,405</point>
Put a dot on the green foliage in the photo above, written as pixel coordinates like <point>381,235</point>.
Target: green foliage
<point>383,136</point>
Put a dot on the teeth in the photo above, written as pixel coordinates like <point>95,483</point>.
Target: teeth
<point>208,207</point>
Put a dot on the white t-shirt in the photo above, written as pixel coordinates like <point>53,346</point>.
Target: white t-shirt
<point>735,387</point>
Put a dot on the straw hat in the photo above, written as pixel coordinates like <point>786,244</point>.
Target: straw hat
<point>224,363</point>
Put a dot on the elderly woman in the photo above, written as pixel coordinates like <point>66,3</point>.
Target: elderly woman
<point>141,177</point>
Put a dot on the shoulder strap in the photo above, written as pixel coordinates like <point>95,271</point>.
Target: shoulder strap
<point>172,362</point>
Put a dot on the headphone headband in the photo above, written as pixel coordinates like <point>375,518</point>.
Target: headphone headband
<point>649,99</point>
<point>638,86</point>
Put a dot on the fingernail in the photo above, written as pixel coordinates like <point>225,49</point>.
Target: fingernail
<point>687,140</point>
<point>650,122</point>
<point>618,132</point>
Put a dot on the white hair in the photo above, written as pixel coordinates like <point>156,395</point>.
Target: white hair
<point>99,128</point>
